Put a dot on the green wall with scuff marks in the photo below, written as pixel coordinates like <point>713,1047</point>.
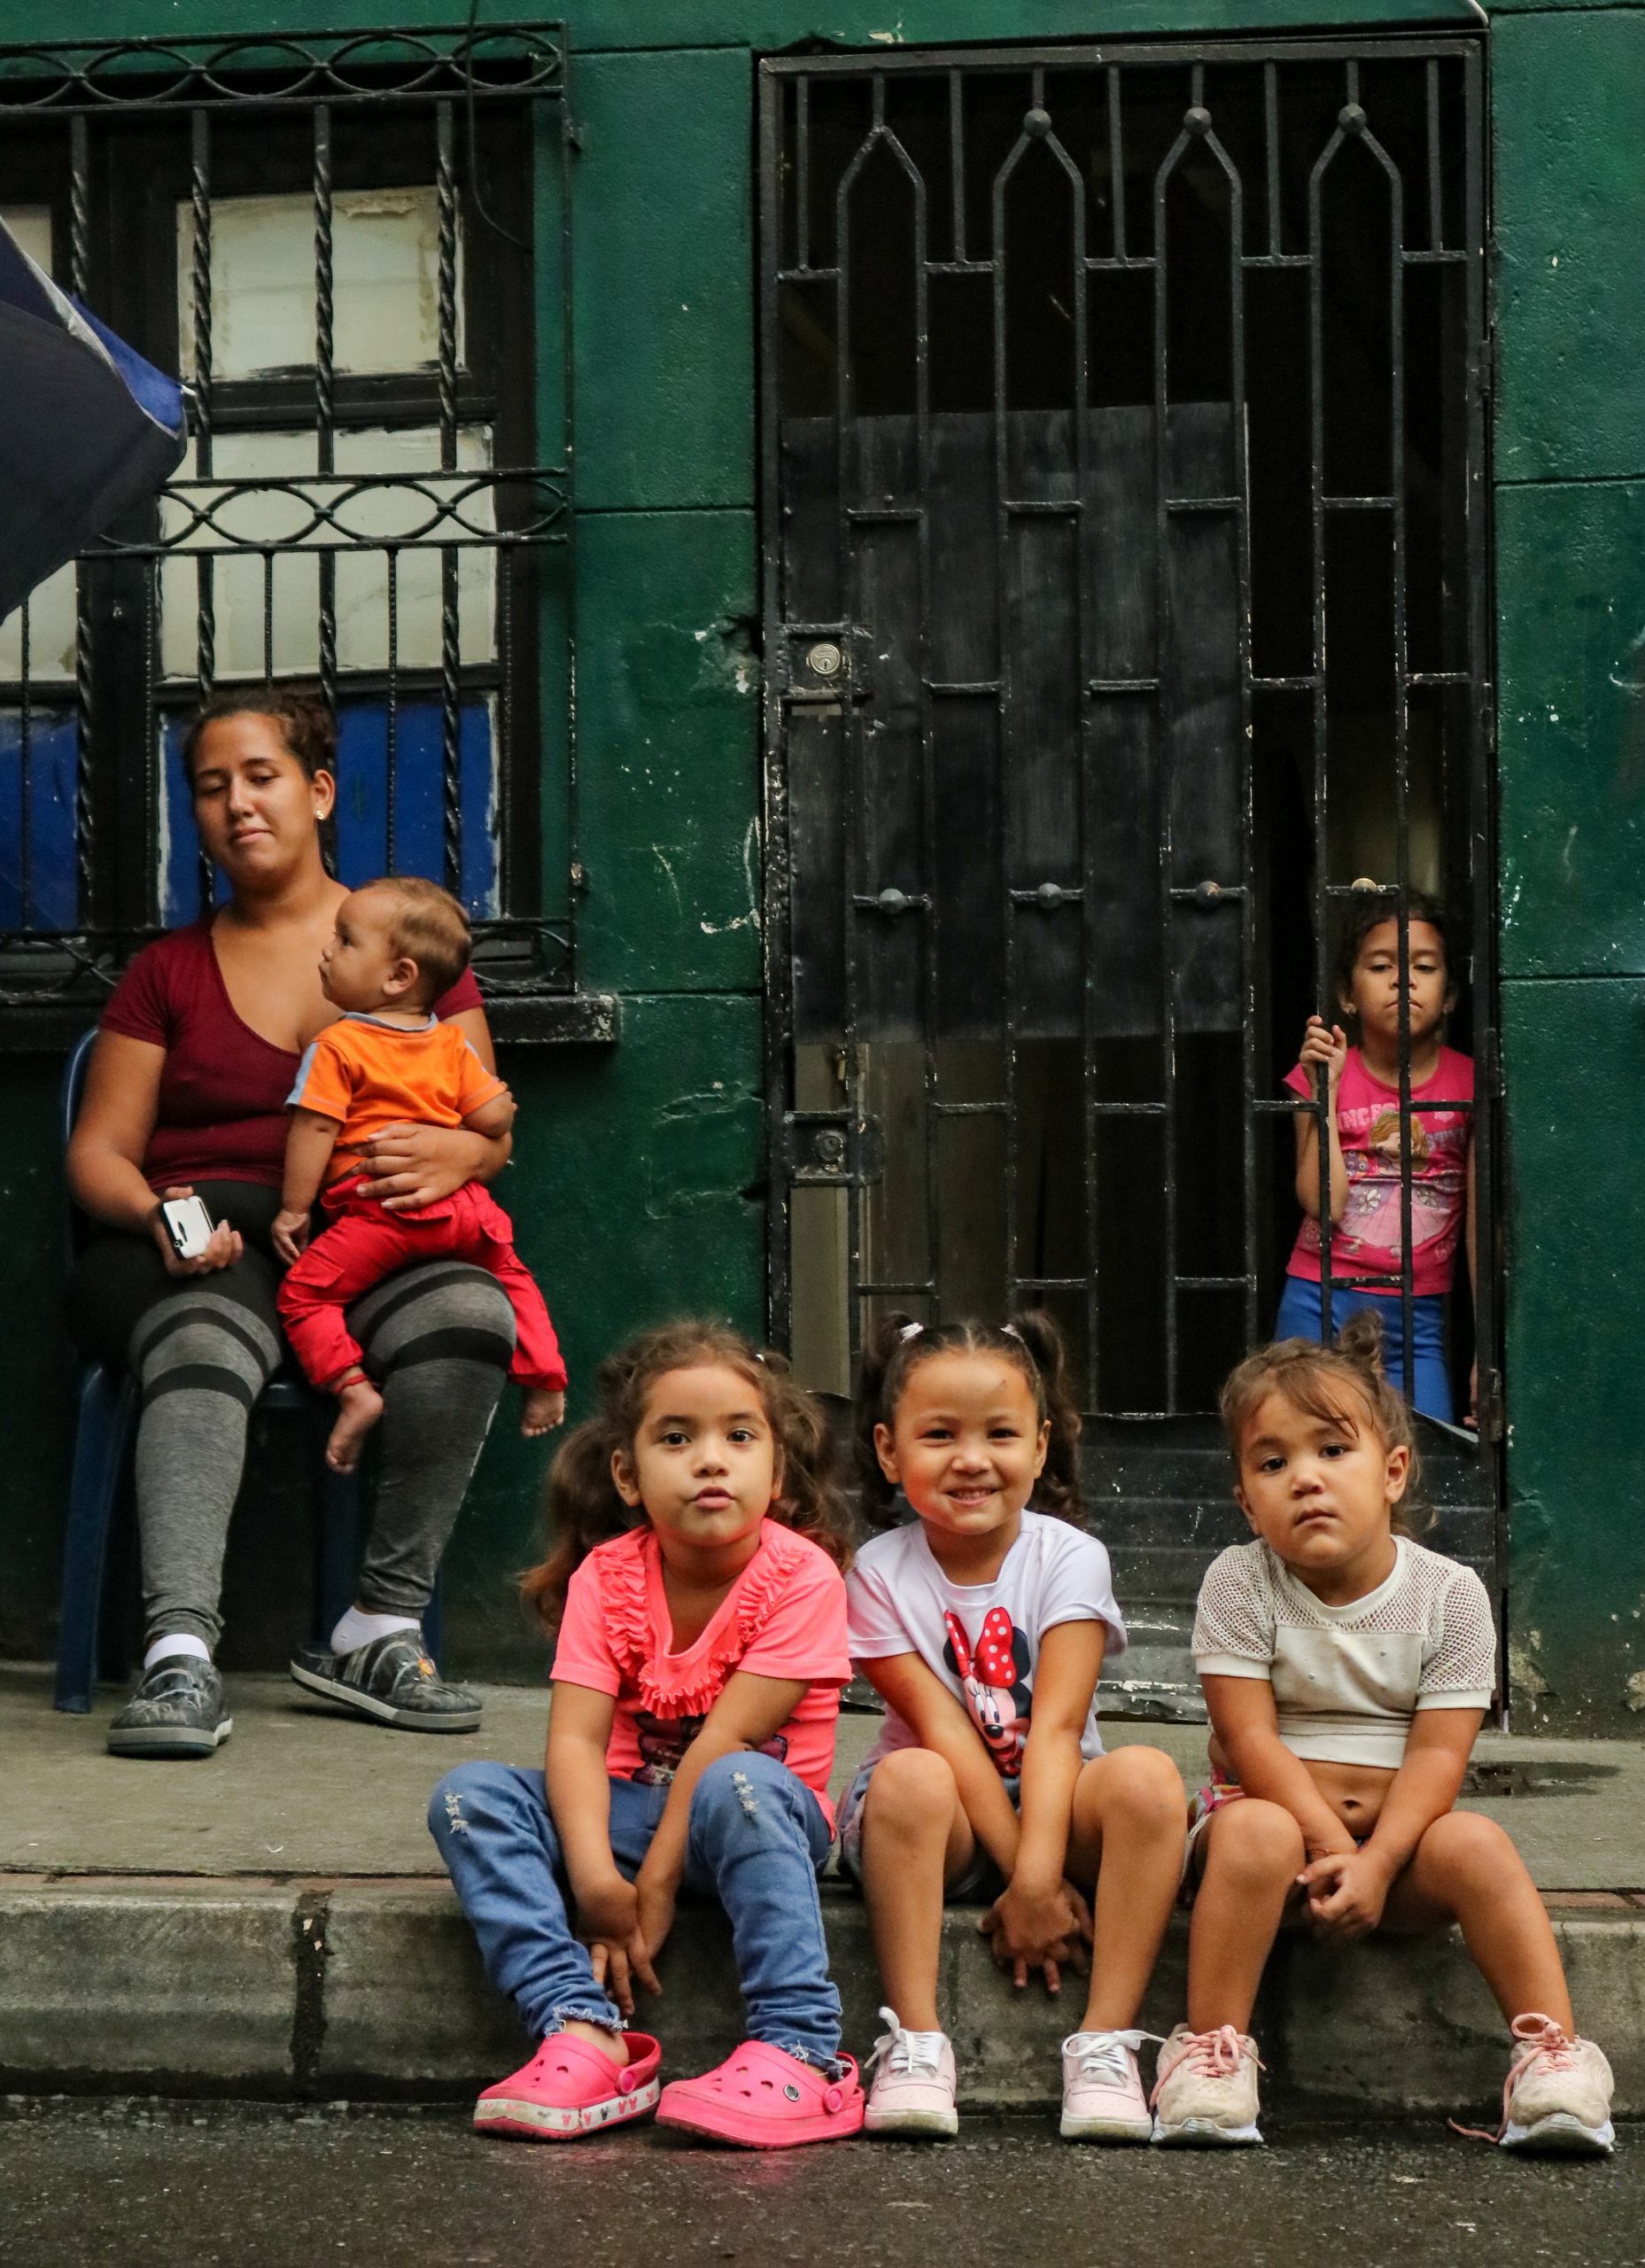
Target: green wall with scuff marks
<point>1570,206</point>
<point>637,1185</point>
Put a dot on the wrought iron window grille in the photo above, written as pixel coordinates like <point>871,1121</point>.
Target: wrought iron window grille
<point>438,588</point>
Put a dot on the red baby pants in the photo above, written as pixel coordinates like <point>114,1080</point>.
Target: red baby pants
<point>364,1244</point>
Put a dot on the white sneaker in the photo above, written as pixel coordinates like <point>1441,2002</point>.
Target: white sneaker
<point>1207,2087</point>
<point>914,2087</point>
<point>1558,2093</point>
<point>1102,2089</point>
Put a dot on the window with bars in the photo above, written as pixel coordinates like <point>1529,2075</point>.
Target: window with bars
<point>356,254</point>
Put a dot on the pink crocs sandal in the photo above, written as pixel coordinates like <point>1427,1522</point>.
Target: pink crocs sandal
<point>570,2088</point>
<point>762,2098</point>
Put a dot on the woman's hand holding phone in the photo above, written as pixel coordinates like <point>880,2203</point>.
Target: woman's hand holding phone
<point>222,1249</point>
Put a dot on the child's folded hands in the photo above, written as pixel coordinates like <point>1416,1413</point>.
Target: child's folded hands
<point>1030,1928</point>
<point>1346,1892</point>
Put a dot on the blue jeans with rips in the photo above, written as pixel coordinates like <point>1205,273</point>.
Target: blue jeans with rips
<point>758,1838</point>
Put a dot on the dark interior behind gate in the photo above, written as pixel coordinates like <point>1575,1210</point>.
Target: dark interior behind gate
<point>1126,581</point>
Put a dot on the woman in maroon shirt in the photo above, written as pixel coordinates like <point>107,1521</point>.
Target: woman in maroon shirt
<point>197,1053</point>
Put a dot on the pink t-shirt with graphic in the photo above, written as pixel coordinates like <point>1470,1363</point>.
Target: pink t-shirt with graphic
<point>783,1618</point>
<point>981,1640</point>
<point>1367,1242</point>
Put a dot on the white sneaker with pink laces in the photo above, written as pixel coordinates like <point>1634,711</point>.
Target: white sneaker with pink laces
<point>1205,2091</point>
<point>914,2086</point>
<point>1558,2094</point>
<point>1102,2089</point>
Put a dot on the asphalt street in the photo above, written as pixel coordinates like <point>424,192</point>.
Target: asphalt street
<point>127,2186</point>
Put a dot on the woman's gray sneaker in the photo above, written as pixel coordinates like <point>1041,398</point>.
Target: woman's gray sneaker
<point>393,1681</point>
<point>176,1710</point>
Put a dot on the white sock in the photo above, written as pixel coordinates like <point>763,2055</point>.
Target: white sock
<point>358,1629</point>
<point>179,1642</point>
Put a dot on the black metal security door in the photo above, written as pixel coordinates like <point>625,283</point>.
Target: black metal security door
<point>1125,612</point>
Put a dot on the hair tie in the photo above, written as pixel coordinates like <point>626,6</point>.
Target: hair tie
<point>910,1330</point>
<point>1010,1330</point>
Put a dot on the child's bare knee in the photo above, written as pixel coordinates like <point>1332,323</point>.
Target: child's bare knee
<point>1255,1841</point>
<point>1142,1789</point>
<point>911,1794</point>
<point>1466,1848</point>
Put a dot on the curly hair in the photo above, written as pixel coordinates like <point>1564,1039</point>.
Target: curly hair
<point>583,1506</point>
<point>1030,1342</point>
<point>1343,1384</point>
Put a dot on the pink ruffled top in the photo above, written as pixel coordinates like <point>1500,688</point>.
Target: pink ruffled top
<point>783,1618</point>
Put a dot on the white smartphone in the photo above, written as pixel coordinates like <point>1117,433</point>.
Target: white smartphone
<point>189,1225</point>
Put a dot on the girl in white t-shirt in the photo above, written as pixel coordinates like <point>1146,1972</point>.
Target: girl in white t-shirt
<point>983,1625</point>
<point>1346,1670</point>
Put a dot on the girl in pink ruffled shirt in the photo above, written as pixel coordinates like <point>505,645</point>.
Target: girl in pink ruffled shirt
<point>697,1592</point>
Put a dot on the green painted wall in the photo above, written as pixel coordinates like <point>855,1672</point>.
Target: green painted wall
<point>1570,563</point>
<point>637,1189</point>
<point>598,26</point>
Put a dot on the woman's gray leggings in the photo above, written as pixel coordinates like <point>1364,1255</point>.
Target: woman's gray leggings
<point>437,1339</point>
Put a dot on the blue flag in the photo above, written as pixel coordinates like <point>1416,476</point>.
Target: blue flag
<point>87,427</point>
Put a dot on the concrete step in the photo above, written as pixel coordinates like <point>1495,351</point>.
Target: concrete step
<point>371,1990</point>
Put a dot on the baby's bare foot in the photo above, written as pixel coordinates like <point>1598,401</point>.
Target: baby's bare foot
<point>542,1413</point>
<point>359,1406</point>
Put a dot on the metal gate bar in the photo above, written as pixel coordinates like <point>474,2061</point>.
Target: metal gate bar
<point>866,533</point>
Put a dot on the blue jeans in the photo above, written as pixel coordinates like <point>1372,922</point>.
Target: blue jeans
<point>756,1840</point>
<point>1299,1317</point>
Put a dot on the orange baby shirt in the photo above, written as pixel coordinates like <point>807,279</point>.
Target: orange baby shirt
<point>369,1075</point>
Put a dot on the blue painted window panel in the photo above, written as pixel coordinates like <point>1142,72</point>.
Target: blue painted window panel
<point>52,893</point>
<point>363,804</point>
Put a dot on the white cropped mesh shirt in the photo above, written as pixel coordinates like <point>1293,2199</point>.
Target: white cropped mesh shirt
<point>1347,1680</point>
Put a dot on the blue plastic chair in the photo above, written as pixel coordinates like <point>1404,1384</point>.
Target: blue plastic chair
<point>104,1434</point>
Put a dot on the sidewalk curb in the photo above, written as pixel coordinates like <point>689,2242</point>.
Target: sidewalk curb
<point>371,1990</point>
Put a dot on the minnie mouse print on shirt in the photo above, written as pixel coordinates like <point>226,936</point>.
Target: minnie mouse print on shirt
<point>994,1679</point>
<point>983,1639</point>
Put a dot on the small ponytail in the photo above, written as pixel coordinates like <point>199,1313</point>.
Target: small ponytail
<point>1313,1378</point>
<point>584,1508</point>
<point>1060,1487</point>
<point>1030,1341</point>
<point>881,1348</point>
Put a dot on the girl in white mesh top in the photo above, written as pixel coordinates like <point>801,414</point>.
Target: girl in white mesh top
<point>1346,1670</point>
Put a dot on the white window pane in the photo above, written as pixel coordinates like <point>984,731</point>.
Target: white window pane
<point>238,592</point>
<point>50,631</point>
<point>384,273</point>
<point>237,583</point>
<point>362,580</point>
<point>31,231</point>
